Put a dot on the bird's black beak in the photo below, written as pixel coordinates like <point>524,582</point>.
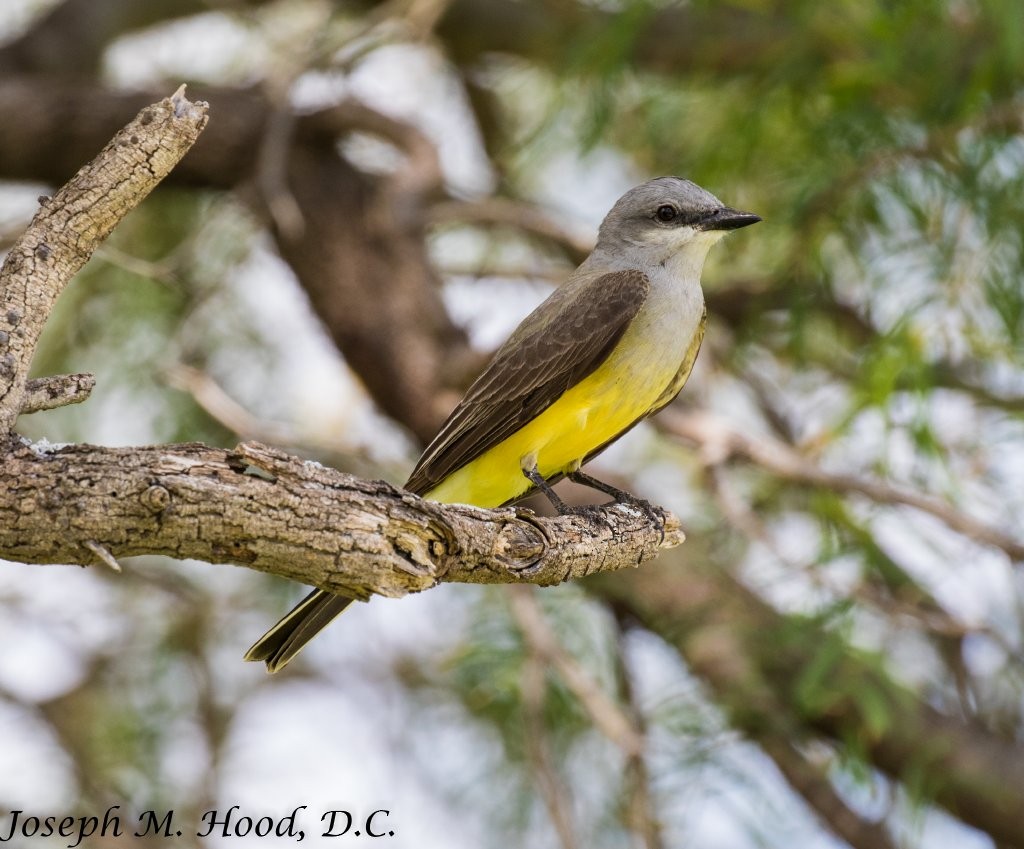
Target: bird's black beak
<point>727,219</point>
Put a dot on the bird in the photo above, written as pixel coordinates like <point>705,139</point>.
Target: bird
<point>609,347</point>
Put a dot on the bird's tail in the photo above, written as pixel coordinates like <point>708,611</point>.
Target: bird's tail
<point>303,622</point>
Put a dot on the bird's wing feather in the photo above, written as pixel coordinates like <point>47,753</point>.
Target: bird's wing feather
<point>550,352</point>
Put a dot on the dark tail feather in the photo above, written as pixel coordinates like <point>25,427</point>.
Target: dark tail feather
<point>303,622</point>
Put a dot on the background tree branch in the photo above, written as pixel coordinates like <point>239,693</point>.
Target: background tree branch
<point>769,689</point>
<point>874,158</point>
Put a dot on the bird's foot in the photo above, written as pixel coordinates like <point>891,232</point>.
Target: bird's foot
<point>653,512</point>
<point>537,479</point>
<point>590,511</point>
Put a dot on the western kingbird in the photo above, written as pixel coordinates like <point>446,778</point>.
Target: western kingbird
<point>611,346</point>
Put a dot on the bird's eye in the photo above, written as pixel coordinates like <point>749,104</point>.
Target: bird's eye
<point>666,213</point>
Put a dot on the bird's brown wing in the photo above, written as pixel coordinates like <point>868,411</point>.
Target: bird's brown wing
<point>549,352</point>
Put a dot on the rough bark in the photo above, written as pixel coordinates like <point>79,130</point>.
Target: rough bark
<point>254,506</point>
<point>71,225</point>
<point>48,393</point>
<point>730,639</point>
<point>360,236</point>
<point>264,509</point>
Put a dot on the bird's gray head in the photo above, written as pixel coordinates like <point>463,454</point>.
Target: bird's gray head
<point>663,216</point>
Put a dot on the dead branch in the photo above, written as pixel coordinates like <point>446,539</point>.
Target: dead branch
<point>254,506</point>
<point>49,393</point>
<point>71,225</point>
<point>262,508</point>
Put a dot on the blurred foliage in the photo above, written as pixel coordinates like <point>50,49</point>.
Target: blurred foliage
<point>875,323</point>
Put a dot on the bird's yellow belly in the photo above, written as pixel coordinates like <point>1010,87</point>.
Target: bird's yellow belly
<point>584,418</point>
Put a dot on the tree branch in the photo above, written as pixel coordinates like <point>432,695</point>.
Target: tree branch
<point>619,723</point>
<point>718,442</point>
<point>639,802</point>
<point>808,676</point>
<point>212,398</point>
<point>72,36</point>
<point>518,215</point>
<point>71,225</point>
<point>553,789</point>
<point>420,176</point>
<point>606,715</point>
<point>49,393</point>
<point>254,506</point>
<point>262,508</point>
<point>811,781</point>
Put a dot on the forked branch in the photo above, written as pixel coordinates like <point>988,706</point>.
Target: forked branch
<point>254,506</point>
